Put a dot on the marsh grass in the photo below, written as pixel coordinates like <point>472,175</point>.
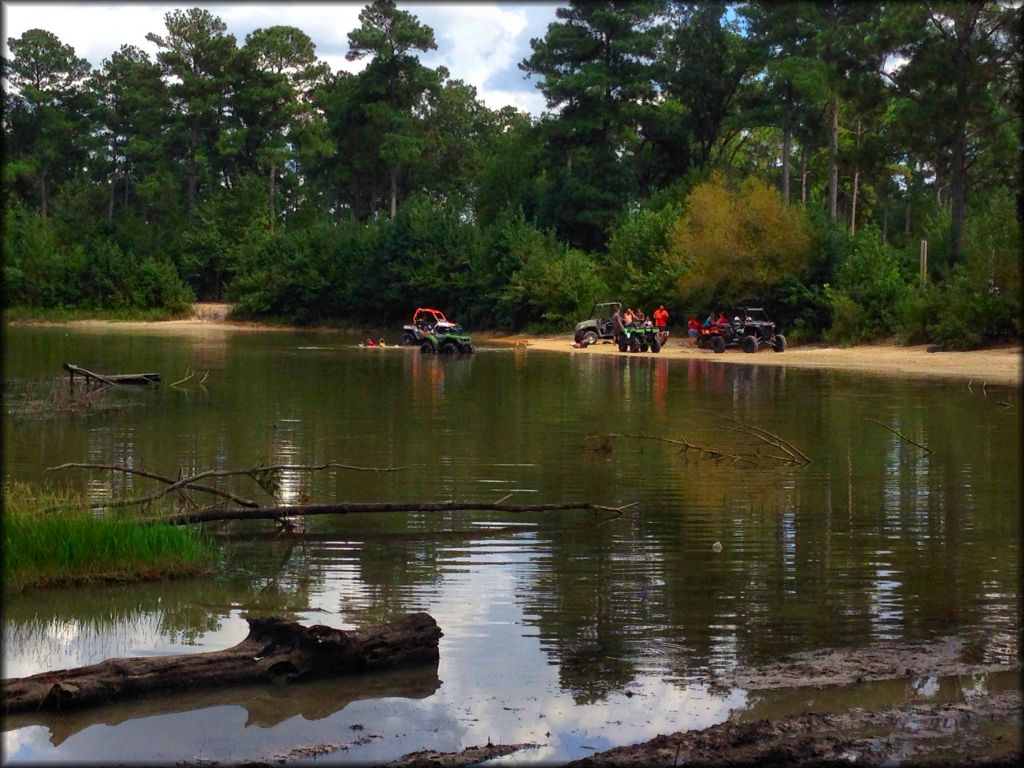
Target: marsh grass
<point>52,537</point>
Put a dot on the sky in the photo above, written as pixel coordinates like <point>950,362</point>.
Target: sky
<point>481,43</point>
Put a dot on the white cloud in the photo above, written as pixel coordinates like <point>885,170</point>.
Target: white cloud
<point>478,43</point>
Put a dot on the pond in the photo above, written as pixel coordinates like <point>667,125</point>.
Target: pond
<point>574,630</point>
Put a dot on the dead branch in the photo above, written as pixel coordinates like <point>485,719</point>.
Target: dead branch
<point>897,432</point>
<point>686,445</point>
<point>153,476</point>
<point>258,474</point>
<point>345,508</point>
<point>189,373</point>
<point>799,457</point>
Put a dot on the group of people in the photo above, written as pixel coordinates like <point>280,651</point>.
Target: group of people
<point>659,320</point>
<point>694,325</point>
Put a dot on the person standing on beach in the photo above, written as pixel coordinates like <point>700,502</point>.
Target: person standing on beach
<point>660,316</point>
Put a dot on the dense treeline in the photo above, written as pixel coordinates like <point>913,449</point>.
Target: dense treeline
<point>696,154</point>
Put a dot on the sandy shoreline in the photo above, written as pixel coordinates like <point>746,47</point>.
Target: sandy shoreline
<point>998,365</point>
<point>993,366</point>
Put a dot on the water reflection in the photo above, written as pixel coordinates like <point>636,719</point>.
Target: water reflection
<point>562,623</point>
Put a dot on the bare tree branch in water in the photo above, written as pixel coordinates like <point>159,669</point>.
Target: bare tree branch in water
<point>897,432</point>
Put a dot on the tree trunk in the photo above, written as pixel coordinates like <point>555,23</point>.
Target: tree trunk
<point>853,206</point>
<point>193,172</point>
<point>803,174</point>
<point>275,650</point>
<point>110,201</point>
<point>885,220</point>
<point>273,191</point>
<point>833,151</point>
<point>394,191</point>
<point>787,141</point>
<point>44,207</point>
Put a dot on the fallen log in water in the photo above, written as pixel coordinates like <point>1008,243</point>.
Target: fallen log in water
<point>350,507</point>
<point>275,650</point>
<point>112,378</point>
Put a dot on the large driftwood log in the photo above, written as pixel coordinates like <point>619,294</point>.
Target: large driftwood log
<point>276,650</point>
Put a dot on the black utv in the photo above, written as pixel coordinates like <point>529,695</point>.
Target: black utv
<point>751,329</point>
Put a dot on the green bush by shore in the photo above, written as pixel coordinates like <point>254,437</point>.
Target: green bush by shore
<point>52,538</point>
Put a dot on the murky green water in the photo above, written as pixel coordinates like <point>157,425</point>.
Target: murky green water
<point>569,629</point>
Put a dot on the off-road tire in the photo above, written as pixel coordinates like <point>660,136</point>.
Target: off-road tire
<point>717,344</point>
<point>427,347</point>
<point>655,344</point>
<point>589,337</point>
<point>749,344</point>
<point>702,342</point>
<point>634,344</point>
<point>643,346</point>
<point>779,344</point>
<point>623,343</point>
<point>448,348</point>
<point>408,338</point>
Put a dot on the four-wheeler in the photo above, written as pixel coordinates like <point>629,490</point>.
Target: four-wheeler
<point>423,321</point>
<point>639,337</point>
<point>446,338</point>
<point>750,329</point>
<point>600,324</point>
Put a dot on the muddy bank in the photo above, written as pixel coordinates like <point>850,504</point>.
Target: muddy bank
<point>986,732</point>
<point>976,721</point>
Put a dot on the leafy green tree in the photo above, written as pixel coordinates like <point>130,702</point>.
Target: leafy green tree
<point>132,109</point>
<point>960,92</point>
<point>392,85</point>
<point>278,68</point>
<point>45,110</point>
<point>196,55</point>
<point>730,245</point>
<point>703,65</point>
<point>594,66</point>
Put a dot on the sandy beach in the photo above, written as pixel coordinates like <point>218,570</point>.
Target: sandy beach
<point>997,365</point>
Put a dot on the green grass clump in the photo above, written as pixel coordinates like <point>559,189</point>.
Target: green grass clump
<point>52,537</point>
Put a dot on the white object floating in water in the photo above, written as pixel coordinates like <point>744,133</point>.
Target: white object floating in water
<point>716,547</point>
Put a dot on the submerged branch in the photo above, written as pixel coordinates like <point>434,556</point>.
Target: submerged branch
<point>798,456</point>
<point>713,453</point>
<point>258,474</point>
<point>897,432</point>
<point>153,476</point>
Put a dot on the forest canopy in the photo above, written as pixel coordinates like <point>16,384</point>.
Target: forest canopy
<point>795,154</point>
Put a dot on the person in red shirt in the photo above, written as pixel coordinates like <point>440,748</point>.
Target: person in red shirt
<point>660,316</point>
<point>693,325</point>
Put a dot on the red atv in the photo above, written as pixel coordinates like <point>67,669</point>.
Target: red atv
<point>423,321</point>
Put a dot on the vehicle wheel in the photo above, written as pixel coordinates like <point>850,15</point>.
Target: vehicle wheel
<point>655,344</point>
<point>634,344</point>
<point>448,348</point>
<point>702,342</point>
<point>468,349</point>
<point>780,343</point>
<point>589,337</point>
<point>749,344</point>
<point>428,348</point>
<point>408,338</point>
<point>717,344</point>
<point>643,346</point>
<point>623,344</point>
